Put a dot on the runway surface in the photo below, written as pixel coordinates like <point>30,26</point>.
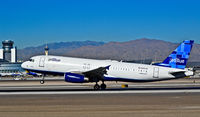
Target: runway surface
<point>60,87</point>
<point>112,89</point>
<point>179,98</point>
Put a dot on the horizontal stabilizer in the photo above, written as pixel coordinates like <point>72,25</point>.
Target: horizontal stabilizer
<point>179,74</point>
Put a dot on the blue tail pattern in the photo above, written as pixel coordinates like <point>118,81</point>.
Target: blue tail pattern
<point>179,57</point>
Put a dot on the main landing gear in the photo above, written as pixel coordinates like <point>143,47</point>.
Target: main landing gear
<point>98,87</point>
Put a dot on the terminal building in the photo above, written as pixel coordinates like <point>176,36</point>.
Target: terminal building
<point>8,60</point>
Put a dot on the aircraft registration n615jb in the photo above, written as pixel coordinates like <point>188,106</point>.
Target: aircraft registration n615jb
<point>79,70</point>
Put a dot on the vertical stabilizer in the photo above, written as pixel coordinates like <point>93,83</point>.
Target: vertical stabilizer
<point>179,57</point>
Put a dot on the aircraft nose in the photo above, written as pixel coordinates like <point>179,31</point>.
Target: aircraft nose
<point>24,65</point>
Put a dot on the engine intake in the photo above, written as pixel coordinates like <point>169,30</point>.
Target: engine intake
<point>75,78</point>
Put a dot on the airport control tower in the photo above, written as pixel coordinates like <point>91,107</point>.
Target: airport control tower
<point>8,48</point>
<point>46,50</point>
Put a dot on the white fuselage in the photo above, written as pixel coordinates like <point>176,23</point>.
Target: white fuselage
<point>117,70</point>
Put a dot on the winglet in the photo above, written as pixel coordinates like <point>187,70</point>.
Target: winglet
<point>108,67</point>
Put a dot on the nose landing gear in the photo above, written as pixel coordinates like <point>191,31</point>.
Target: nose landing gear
<point>42,81</point>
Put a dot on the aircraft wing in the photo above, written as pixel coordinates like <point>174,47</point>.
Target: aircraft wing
<point>96,74</point>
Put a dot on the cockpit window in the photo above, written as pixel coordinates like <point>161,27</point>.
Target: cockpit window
<point>31,60</point>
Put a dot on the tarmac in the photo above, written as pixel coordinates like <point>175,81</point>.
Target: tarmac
<point>174,98</point>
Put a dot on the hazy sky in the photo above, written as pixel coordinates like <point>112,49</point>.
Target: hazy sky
<point>36,22</point>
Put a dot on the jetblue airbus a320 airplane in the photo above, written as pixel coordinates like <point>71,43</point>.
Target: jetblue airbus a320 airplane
<point>78,70</point>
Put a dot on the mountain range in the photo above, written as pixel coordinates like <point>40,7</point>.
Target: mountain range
<point>140,49</point>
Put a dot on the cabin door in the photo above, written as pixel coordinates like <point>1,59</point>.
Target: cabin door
<point>155,72</point>
<point>42,60</point>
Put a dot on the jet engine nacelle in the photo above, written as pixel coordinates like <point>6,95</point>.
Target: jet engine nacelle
<point>75,78</point>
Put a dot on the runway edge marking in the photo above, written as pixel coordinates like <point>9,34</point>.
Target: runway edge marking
<point>97,92</point>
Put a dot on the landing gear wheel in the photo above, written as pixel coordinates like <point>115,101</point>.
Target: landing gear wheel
<point>41,81</point>
<point>96,87</point>
<point>103,86</point>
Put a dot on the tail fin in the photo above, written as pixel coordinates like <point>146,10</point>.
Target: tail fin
<point>178,58</point>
